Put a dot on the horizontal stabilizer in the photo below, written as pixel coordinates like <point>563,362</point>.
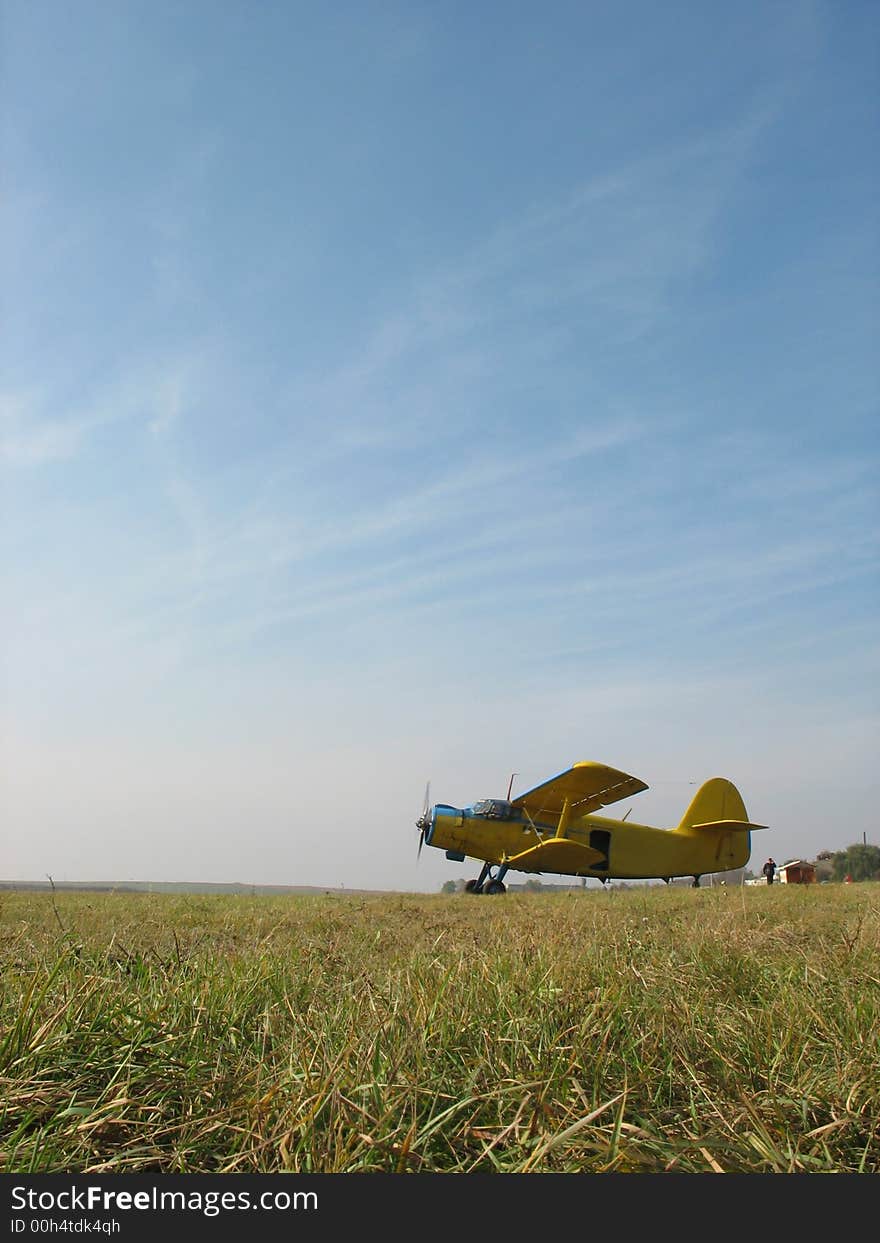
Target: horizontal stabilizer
<point>727,826</point>
<point>557,854</point>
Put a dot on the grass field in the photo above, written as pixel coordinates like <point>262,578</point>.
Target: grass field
<point>639,1030</point>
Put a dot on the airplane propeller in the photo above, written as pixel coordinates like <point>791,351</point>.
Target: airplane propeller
<point>424,821</point>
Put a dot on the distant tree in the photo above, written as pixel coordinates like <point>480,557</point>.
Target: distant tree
<point>533,886</point>
<point>448,886</point>
<point>824,865</point>
<point>860,862</point>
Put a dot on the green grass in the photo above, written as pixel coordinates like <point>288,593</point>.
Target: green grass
<point>640,1030</point>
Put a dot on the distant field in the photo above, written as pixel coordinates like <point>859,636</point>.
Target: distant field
<point>639,1030</point>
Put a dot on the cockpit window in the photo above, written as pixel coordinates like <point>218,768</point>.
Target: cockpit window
<point>493,809</point>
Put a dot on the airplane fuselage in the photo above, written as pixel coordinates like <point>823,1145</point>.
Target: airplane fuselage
<point>629,851</point>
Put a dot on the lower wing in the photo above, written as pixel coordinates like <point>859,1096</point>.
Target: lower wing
<point>557,854</point>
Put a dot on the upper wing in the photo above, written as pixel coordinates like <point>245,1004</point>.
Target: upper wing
<point>586,786</point>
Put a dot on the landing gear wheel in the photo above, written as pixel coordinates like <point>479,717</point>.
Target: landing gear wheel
<point>495,886</point>
<point>472,887</point>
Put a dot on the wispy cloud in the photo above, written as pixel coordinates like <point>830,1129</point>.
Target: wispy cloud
<point>29,437</point>
<point>39,425</point>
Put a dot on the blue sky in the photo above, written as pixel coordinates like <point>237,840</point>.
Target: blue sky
<point>400,391</point>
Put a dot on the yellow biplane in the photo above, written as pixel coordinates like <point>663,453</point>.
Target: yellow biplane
<point>554,828</point>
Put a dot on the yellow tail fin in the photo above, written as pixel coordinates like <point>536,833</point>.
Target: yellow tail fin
<point>716,799</point>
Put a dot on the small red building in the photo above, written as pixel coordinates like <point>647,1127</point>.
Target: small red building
<point>797,873</point>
